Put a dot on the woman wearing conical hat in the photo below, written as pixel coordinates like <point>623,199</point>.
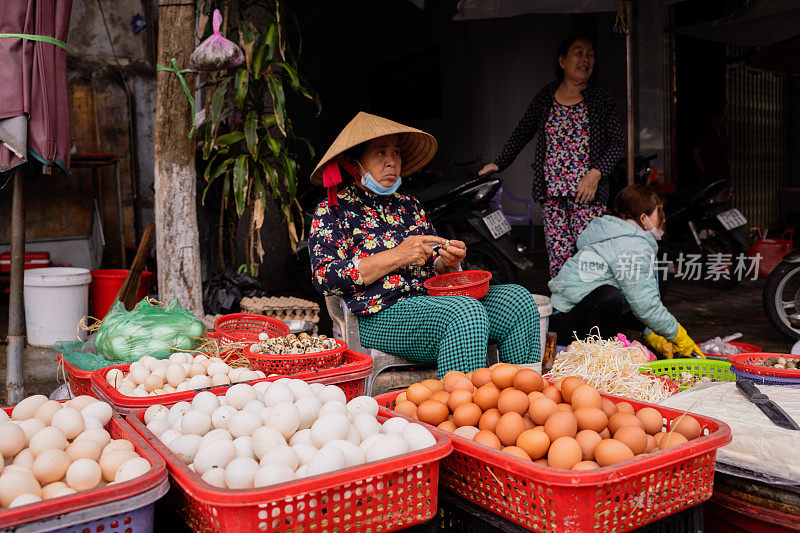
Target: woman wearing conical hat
<point>375,248</point>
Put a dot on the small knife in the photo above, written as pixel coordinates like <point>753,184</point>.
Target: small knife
<point>773,411</point>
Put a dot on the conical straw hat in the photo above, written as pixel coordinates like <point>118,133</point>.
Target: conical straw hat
<point>417,148</point>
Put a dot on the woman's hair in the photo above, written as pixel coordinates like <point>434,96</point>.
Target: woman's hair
<point>635,200</point>
<point>563,48</point>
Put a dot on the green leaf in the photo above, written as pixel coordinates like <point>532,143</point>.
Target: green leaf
<point>242,79</point>
<point>274,146</point>
<point>230,138</point>
<point>290,175</point>
<point>272,178</point>
<point>226,190</point>
<point>268,121</point>
<point>217,101</point>
<point>221,169</point>
<point>240,181</point>
<point>278,102</point>
<point>292,72</point>
<point>260,53</point>
<point>251,134</point>
<point>308,144</point>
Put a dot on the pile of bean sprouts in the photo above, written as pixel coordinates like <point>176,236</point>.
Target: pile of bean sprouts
<point>610,367</point>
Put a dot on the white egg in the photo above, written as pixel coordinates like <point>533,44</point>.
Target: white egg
<point>47,438</point>
<point>200,357</point>
<point>177,411</point>
<point>260,374</point>
<point>114,377</point>
<point>299,389</point>
<point>70,421</point>
<point>326,460</point>
<point>417,437</point>
<point>169,436</point>
<point>216,368</point>
<point>206,401</point>
<point>153,382</point>
<point>394,425</point>
<point>333,426</point>
<point>179,358</point>
<point>27,408</point>
<point>363,404</point>
<point>332,393</point>
<point>216,434</point>
<point>215,477</point>
<point>200,381</point>
<point>387,446</point>
<point>261,386</point>
<point>263,414</point>
<point>265,438</point>
<point>243,424</point>
<point>254,406</point>
<point>369,441</point>
<point>100,436</point>
<point>146,361</point>
<point>366,425</point>
<point>12,440</point>
<point>277,393</point>
<point>91,423</point>
<point>317,387</point>
<point>333,406</point>
<point>353,435</point>
<point>195,422</point>
<point>303,435</point>
<point>183,387</point>
<point>4,417</point>
<point>185,447</point>
<point>238,395</point>
<point>284,417</point>
<point>83,474</point>
<point>100,411</point>
<point>159,372</point>
<point>24,499</point>
<point>284,455</point>
<point>353,455</point>
<point>244,447</point>
<point>220,379</point>
<point>175,374</point>
<point>304,451</point>
<point>240,472</point>
<point>132,468</point>
<point>30,427</point>
<point>217,453</point>
<point>139,374</point>
<point>47,410</point>
<point>158,426</point>
<point>222,415</point>
<point>24,458</point>
<point>273,474</point>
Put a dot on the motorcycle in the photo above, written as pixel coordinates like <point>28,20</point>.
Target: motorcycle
<point>781,296</point>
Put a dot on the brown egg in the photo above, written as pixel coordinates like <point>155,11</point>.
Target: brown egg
<point>407,408</point>
<point>459,397</point>
<point>418,393</point>
<point>481,377</point>
<point>651,420</point>
<point>687,426</point>
<point>468,432</point>
<point>618,420</point>
<point>585,396</point>
<point>561,424</point>
<point>588,441</point>
<point>535,443</point>
<point>503,375</point>
<point>513,400</point>
<point>564,453</point>
<point>440,396</point>
<point>467,414</point>
<point>486,396</point>
<point>450,375</point>
<point>625,407</point>
<point>489,420</point>
<point>458,382</point>
<point>538,428</point>
<point>586,465</point>
<point>564,407</point>
<point>541,409</point>
<point>541,462</point>
<point>610,452</point>
<point>528,422</point>
<point>535,394</point>
<point>633,437</point>
<point>517,452</point>
<point>557,384</point>
<point>608,407</point>
<point>448,425</point>
<point>509,428</point>
<point>552,393</point>
<point>433,384</point>
<point>487,438</point>
<point>651,444</point>
<point>401,397</point>
<point>658,437</point>
<point>569,385</point>
<point>591,418</point>
<point>432,412</point>
<point>527,380</point>
<point>670,440</point>
<point>605,434</point>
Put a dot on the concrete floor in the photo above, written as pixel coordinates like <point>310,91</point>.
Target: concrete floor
<point>703,311</point>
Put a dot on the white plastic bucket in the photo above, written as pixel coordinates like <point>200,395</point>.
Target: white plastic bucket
<point>55,301</point>
<point>545,310</point>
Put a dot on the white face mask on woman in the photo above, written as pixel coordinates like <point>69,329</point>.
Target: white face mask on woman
<point>657,232</point>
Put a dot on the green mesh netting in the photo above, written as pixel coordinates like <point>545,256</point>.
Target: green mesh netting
<point>86,356</point>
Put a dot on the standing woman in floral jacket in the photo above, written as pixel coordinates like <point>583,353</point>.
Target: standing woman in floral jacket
<point>375,248</point>
<point>580,143</point>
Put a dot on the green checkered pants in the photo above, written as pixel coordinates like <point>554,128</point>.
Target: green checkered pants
<point>454,331</point>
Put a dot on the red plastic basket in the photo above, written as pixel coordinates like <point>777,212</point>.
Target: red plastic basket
<point>245,327</point>
<point>350,376</point>
<point>379,496</point>
<point>746,362</point>
<point>474,283</point>
<point>290,364</point>
<point>615,498</point>
<point>80,381</point>
<point>119,429</point>
<point>771,251</point>
<point>746,348</point>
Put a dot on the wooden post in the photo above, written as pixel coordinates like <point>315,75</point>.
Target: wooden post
<point>177,239</point>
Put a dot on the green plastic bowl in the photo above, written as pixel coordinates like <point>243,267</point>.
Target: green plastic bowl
<point>716,370</point>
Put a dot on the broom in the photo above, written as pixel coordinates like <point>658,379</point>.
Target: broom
<point>130,287</point>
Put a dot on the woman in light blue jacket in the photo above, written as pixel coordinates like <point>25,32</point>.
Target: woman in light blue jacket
<point>612,281</point>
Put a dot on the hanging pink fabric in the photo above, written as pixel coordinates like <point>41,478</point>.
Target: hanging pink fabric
<point>332,177</point>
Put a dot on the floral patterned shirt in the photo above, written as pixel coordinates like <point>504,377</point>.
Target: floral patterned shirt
<point>362,225</point>
<point>566,158</point>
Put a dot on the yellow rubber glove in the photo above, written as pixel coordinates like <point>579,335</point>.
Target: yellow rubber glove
<point>684,344</point>
<point>660,344</point>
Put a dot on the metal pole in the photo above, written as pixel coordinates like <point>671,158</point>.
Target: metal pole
<point>120,215</point>
<point>629,84</point>
<point>16,313</point>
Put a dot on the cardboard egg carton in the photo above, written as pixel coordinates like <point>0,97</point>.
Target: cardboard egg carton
<point>282,308</point>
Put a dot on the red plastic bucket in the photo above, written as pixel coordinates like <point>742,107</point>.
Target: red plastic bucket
<point>106,284</point>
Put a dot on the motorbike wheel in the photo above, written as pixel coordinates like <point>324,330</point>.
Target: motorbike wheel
<point>481,256</point>
<point>719,244</point>
<point>783,282</point>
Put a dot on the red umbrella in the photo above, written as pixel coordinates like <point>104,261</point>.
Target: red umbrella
<point>34,120</point>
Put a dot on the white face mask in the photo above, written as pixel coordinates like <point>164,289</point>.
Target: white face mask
<point>658,233</point>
